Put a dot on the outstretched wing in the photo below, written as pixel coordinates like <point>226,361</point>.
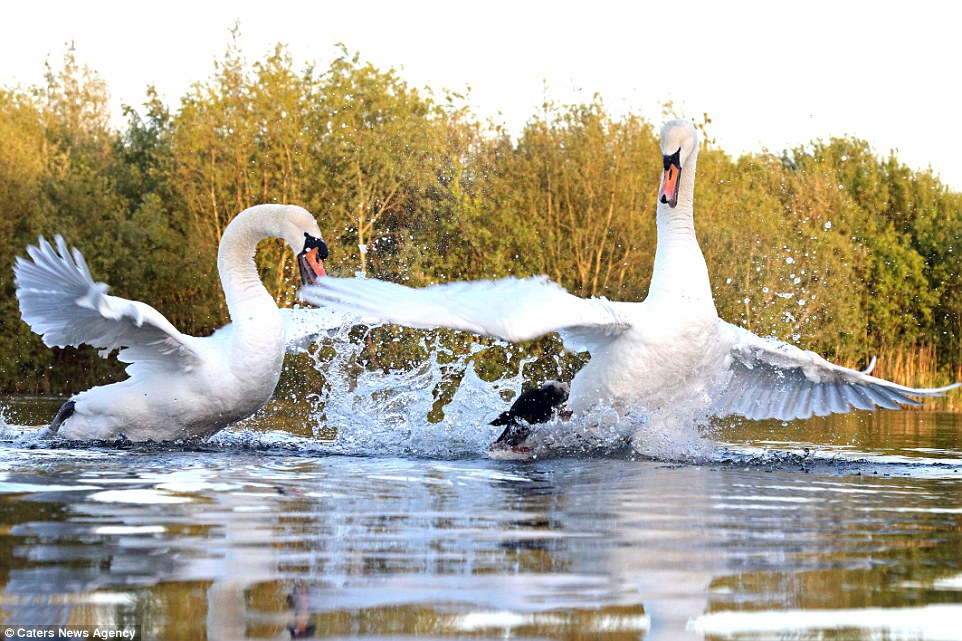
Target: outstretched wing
<point>773,379</point>
<point>512,309</point>
<point>61,302</point>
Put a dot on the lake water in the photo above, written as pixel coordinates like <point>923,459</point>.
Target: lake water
<point>849,528</point>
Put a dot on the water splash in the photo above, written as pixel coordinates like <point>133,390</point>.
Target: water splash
<point>395,412</point>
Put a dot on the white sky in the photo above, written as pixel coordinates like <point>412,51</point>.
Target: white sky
<point>771,75</point>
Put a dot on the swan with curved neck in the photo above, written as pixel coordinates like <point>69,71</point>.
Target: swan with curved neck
<point>179,386</point>
<point>669,352</point>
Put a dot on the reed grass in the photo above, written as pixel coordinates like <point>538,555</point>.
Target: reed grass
<point>919,366</point>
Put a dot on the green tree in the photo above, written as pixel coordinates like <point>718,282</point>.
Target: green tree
<point>380,144</point>
<point>241,138</point>
<point>65,152</point>
<point>580,191</point>
<point>23,165</point>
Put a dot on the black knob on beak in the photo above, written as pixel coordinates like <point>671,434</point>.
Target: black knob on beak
<point>310,242</point>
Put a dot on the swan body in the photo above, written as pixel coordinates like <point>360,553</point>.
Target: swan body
<point>179,386</point>
<point>671,349</point>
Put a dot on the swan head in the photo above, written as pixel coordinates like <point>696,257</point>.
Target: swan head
<point>679,148</point>
<point>293,224</point>
<point>299,228</point>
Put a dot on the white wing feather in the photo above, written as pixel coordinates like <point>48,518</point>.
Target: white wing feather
<point>773,379</point>
<point>512,309</point>
<point>60,301</point>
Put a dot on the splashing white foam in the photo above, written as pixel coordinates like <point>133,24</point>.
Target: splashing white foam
<point>390,413</point>
<point>602,431</point>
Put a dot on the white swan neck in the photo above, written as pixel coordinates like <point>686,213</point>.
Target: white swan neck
<point>680,274</point>
<point>242,284</point>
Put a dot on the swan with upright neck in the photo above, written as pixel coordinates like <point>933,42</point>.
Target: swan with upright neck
<point>672,349</point>
<point>179,386</point>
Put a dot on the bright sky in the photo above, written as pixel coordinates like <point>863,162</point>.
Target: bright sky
<point>771,75</point>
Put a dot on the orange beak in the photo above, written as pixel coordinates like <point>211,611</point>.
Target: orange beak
<point>311,260</point>
<point>312,267</point>
<point>668,194</point>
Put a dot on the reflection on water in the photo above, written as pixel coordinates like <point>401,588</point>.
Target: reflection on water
<point>229,542</point>
<point>910,435</point>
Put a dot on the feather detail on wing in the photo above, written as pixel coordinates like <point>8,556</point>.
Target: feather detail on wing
<point>60,301</point>
<point>512,309</point>
<point>773,379</point>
